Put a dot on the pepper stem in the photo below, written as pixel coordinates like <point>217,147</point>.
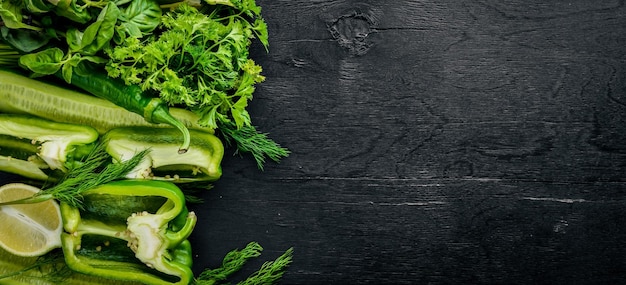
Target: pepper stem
<point>161,115</point>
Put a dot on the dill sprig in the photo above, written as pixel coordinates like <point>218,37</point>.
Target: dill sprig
<point>248,139</point>
<point>86,176</point>
<point>269,273</point>
<point>94,170</point>
<point>233,262</point>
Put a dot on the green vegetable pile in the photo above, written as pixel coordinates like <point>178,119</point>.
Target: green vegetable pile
<point>115,108</point>
<point>196,56</point>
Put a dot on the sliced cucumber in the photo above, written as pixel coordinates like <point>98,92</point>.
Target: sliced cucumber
<point>23,95</point>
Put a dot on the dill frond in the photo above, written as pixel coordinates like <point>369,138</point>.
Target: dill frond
<point>269,273</point>
<point>95,170</point>
<point>249,139</point>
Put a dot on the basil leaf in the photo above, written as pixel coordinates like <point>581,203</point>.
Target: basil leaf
<point>66,71</point>
<point>11,15</point>
<point>45,62</point>
<point>94,59</point>
<point>75,64</point>
<point>131,29</point>
<point>120,35</point>
<point>23,39</point>
<point>144,15</point>
<point>38,6</point>
<point>70,10</point>
<point>74,39</point>
<point>98,34</point>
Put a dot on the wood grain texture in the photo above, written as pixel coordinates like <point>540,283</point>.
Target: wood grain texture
<point>437,142</point>
<point>434,142</point>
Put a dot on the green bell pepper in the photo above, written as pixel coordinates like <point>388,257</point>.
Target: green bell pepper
<point>202,161</point>
<point>133,230</point>
<point>12,273</point>
<point>41,149</point>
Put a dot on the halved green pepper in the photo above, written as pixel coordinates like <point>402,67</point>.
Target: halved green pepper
<point>132,230</point>
<point>41,149</point>
<point>202,161</point>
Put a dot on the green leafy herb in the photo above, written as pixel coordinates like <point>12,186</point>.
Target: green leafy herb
<point>45,62</point>
<point>233,262</point>
<point>77,13</point>
<point>96,169</point>
<point>269,273</point>
<point>248,139</point>
<point>11,15</point>
<point>98,34</point>
<point>139,18</point>
<point>195,57</point>
<point>199,59</point>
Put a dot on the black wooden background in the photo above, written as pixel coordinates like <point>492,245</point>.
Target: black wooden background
<point>434,142</point>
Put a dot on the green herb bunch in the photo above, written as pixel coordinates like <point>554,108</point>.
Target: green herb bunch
<point>198,57</point>
<point>193,54</point>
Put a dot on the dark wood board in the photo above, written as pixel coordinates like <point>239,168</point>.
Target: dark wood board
<point>434,142</point>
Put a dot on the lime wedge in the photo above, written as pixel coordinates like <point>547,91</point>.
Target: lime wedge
<point>28,229</point>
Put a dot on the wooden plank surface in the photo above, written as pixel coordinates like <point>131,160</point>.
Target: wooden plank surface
<point>436,142</point>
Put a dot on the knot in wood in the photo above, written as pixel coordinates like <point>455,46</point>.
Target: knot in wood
<point>351,30</point>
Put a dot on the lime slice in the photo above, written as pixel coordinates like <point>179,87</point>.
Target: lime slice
<point>28,229</point>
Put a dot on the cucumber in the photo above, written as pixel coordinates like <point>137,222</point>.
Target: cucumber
<point>23,95</point>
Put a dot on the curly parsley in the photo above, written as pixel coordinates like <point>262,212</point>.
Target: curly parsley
<point>198,57</point>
